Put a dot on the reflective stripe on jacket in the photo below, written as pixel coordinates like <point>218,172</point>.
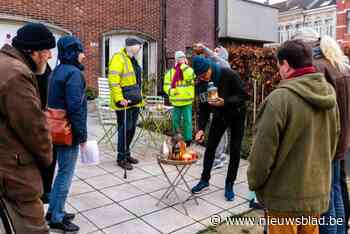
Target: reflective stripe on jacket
<point>120,74</point>
<point>183,93</point>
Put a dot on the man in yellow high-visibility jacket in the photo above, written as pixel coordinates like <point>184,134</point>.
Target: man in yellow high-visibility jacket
<point>125,80</point>
<point>179,86</point>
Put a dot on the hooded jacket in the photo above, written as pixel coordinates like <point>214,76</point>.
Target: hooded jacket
<point>67,87</point>
<point>25,144</point>
<point>296,138</point>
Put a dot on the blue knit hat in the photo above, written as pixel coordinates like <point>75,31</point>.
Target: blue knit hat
<point>200,64</point>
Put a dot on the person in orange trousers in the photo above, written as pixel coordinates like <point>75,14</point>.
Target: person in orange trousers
<point>293,227</point>
<point>296,138</point>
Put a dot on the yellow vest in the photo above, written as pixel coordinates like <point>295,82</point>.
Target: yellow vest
<point>183,93</point>
<point>120,74</point>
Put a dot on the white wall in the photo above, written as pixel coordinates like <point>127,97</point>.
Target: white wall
<point>11,27</point>
<point>247,20</point>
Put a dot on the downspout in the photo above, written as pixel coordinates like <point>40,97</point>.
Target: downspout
<point>163,37</point>
<point>216,35</point>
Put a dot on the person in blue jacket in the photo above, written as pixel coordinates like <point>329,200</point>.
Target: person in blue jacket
<point>67,91</point>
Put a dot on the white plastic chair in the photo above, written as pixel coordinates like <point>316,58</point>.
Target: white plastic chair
<point>107,117</point>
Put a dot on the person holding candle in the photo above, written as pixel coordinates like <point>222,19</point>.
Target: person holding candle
<point>220,57</point>
<point>228,110</point>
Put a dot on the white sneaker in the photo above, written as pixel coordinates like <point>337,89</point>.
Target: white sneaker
<point>218,164</point>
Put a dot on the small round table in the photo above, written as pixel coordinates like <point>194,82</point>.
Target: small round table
<point>182,168</point>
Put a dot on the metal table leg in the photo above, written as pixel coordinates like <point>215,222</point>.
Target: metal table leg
<point>181,172</point>
<point>173,187</point>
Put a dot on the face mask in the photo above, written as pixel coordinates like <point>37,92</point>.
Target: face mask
<point>133,50</point>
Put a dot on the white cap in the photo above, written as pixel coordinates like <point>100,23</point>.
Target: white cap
<point>306,34</point>
<point>179,55</point>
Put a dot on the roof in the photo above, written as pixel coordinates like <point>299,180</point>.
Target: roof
<point>261,4</point>
<point>303,4</point>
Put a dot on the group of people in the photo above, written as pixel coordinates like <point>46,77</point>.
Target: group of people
<point>28,158</point>
<point>180,83</point>
<point>296,165</point>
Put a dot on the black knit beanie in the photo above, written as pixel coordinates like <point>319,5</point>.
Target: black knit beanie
<point>34,36</point>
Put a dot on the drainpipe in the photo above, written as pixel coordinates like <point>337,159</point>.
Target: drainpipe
<point>163,37</point>
<point>216,35</point>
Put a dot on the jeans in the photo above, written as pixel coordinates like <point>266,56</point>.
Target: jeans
<point>345,192</point>
<point>183,114</point>
<point>336,205</point>
<point>66,160</point>
<point>216,131</point>
<point>128,127</point>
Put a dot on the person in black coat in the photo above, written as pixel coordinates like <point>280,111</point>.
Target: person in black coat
<point>47,174</point>
<point>229,111</point>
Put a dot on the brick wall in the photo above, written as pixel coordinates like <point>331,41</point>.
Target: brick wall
<point>342,36</point>
<point>186,22</point>
<point>189,22</point>
<point>89,19</point>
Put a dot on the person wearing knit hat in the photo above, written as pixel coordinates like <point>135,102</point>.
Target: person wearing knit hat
<point>228,109</point>
<point>220,57</point>
<point>179,86</point>
<point>35,40</point>
<point>24,129</point>
<point>125,81</point>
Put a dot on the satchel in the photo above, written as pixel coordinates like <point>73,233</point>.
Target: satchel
<point>132,93</point>
<point>59,126</point>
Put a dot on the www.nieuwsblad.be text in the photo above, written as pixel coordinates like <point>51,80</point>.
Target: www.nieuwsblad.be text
<point>307,220</point>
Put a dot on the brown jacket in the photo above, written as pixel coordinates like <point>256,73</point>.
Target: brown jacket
<point>25,144</point>
<point>341,83</point>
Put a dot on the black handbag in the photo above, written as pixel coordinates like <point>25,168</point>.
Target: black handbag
<point>132,93</point>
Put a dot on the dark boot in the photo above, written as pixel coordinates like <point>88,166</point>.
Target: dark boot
<point>65,226</point>
<point>125,165</point>
<point>67,216</point>
<point>132,160</point>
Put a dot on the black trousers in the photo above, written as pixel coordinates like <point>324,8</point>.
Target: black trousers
<point>47,174</point>
<point>345,192</point>
<point>217,128</point>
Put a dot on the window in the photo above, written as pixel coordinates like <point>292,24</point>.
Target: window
<point>308,24</point>
<point>317,26</point>
<point>106,55</point>
<point>329,28</point>
<point>145,59</point>
<point>289,29</point>
<point>348,21</point>
<point>280,34</point>
<point>298,27</point>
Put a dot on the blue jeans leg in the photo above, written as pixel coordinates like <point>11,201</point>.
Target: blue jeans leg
<point>66,160</point>
<point>336,205</point>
